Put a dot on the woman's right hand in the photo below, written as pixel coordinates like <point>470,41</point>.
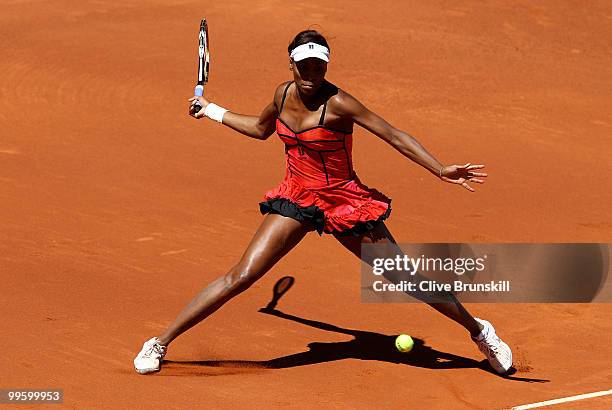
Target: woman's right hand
<point>203,102</point>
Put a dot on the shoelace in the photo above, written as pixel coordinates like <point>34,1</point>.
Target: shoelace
<point>154,348</point>
<point>491,344</point>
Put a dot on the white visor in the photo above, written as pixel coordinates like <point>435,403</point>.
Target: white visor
<point>309,50</point>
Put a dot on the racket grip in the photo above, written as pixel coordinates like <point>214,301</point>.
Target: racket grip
<point>198,92</point>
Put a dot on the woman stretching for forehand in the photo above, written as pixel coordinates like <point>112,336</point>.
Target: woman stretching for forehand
<point>320,191</point>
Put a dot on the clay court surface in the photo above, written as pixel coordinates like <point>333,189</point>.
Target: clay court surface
<point>116,207</point>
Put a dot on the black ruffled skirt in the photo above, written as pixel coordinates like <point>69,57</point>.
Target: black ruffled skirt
<point>316,217</point>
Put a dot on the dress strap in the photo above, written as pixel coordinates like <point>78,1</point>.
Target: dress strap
<point>284,96</point>
<point>323,113</point>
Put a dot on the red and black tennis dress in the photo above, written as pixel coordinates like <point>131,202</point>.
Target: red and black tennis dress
<point>320,185</point>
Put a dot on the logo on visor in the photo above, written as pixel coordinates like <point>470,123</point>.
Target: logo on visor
<point>311,46</point>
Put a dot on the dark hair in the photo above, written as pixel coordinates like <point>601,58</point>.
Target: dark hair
<point>307,36</point>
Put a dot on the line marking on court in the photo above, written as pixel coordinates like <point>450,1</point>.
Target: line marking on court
<point>174,252</point>
<point>563,400</point>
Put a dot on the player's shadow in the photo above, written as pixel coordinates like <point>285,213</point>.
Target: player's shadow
<point>365,346</point>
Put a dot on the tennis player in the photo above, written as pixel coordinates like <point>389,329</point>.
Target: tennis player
<point>320,192</point>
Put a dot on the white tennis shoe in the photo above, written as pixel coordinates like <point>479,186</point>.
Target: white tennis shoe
<point>497,352</point>
<point>150,357</point>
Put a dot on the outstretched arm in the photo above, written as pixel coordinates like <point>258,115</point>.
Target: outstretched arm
<point>259,127</point>
<point>408,145</point>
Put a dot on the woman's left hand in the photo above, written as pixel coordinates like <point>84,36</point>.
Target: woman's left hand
<point>461,174</point>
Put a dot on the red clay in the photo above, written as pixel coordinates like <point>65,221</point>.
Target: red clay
<point>117,207</point>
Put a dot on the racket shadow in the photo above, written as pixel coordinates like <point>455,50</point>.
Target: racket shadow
<point>281,287</point>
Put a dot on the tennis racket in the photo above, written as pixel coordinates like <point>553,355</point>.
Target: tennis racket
<point>203,65</point>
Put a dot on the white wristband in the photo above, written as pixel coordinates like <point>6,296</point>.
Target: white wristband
<point>214,112</point>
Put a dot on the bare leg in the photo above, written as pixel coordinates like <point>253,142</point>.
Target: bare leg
<point>276,236</point>
<point>452,309</point>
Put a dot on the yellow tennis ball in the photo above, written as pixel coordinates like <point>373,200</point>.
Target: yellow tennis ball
<point>404,343</point>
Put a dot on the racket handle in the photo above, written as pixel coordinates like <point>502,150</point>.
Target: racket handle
<point>198,92</point>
